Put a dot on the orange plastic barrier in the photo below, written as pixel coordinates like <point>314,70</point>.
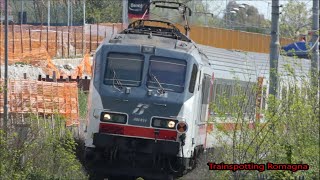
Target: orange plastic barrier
<point>35,44</point>
<point>46,98</point>
<point>233,39</point>
<point>84,67</point>
<point>230,39</point>
<point>28,42</point>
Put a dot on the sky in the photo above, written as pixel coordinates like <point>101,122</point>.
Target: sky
<point>263,6</point>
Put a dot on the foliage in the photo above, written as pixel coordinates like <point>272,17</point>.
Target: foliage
<point>201,15</point>
<point>245,19</point>
<point>96,11</point>
<point>294,19</point>
<point>21,63</point>
<point>103,11</point>
<point>83,104</point>
<point>288,133</point>
<point>42,150</point>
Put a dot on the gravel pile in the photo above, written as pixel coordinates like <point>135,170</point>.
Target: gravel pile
<point>16,71</point>
<point>67,67</point>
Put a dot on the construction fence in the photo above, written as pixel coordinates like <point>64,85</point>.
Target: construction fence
<point>41,99</point>
<point>234,39</point>
<point>27,42</point>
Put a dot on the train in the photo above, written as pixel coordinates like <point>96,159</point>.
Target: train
<point>148,101</point>
<point>148,104</point>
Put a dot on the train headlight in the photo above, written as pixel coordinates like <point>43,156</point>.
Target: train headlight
<point>106,117</point>
<point>164,123</point>
<point>182,127</point>
<point>113,117</point>
<point>171,124</point>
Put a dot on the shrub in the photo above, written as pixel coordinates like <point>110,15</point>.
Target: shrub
<point>47,152</point>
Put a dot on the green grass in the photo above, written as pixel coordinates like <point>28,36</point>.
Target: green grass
<point>83,104</point>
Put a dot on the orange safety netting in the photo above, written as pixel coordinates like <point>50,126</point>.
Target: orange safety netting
<point>46,98</point>
<point>35,42</point>
<point>83,67</point>
<point>50,67</point>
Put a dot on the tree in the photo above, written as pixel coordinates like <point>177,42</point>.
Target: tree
<point>103,11</point>
<point>246,19</point>
<point>287,133</point>
<point>294,19</point>
<point>201,14</point>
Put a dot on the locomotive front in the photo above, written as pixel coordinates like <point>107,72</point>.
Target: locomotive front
<point>145,101</point>
<point>138,102</point>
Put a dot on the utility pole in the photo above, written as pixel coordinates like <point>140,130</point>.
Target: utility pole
<point>124,13</point>
<point>226,14</point>
<point>48,23</point>
<point>68,4</point>
<point>315,40</point>
<point>206,19</point>
<point>84,26</point>
<point>274,49</point>
<point>5,88</point>
<point>21,15</point>
<point>193,10</point>
<point>84,12</point>
<point>71,13</point>
<point>0,34</point>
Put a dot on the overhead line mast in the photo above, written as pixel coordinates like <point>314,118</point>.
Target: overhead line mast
<point>315,51</point>
<point>5,88</point>
<point>274,49</point>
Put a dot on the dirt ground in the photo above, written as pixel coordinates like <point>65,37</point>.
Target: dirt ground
<point>202,172</point>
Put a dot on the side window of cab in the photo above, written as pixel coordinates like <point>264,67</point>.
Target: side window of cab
<point>193,78</point>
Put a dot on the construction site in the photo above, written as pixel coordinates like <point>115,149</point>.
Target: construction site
<point>66,52</point>
<point>57,52</point>
<point>50,56</point>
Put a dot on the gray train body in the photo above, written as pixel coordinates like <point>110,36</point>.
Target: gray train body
<point>149,88</point>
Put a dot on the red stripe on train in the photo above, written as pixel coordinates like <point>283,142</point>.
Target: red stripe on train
<point>137,131</point>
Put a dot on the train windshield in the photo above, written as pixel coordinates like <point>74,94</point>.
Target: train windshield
<point>167,73</point>
<point>124,69</point>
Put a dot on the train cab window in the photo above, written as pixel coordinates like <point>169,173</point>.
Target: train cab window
<point>168,72</point>
<point>124,69</point>
<point>193,78</point>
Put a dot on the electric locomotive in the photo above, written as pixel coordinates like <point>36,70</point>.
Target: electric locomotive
<point>148,101</point>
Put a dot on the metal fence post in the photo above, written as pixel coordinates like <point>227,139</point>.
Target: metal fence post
<point>21,38</point>
<point>68,41</point>
<point>62,43</point>
<point>97,35</point>
<point>30,47</point>
<point>90,39</point>
<point>75,41</point>
<point>12,37</point>
<point>47,38</point>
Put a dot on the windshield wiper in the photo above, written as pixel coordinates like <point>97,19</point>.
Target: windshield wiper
<point>118,82</point>
<point>161,89</point>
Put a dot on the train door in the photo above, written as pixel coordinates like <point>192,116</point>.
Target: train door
<point>203,107</point>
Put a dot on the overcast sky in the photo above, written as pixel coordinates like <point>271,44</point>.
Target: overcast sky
<point>264,6</point>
